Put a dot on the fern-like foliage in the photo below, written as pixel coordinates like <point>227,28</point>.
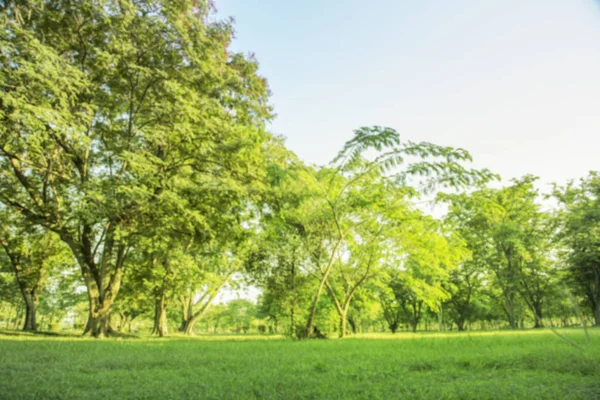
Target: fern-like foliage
<point>422,164</point>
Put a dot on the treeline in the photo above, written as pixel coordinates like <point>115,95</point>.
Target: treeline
<point>138,179</point>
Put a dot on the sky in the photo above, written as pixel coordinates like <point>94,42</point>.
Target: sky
<point>515,82</point>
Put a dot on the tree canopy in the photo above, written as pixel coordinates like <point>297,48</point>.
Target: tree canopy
<point>139,181</point>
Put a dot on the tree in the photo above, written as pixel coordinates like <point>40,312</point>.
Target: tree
<point>381,214</point>
<point>415,279</point>
<point>10,297</point>
<point>239,314</point>
<point>32,253</point>
<point>365,308</point>
<point>281,261</point>
<point>63,294</point>
<point>465,287</point>
<point>580,234</point>
<point>412,166</point>
<point>509,237</point>
<point>217,266</point>
<point>99,101</point>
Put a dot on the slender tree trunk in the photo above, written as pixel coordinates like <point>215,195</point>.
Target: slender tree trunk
<point>509,310</point>
<point>27,287</point>
<point>292,322</point>
<point>313,309</point>
<point>597,315</point>
<point>189,328</point>
<point>343,319</point>
<point>293,331</point>
<point>537,315</point>
<point>315,302</point>
<point>8,318</point>
<point>187,306</point>
<point>352,323</point>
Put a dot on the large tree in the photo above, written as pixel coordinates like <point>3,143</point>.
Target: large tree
<point>103,104</point>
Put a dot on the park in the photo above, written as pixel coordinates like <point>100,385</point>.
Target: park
<point>316,200</point>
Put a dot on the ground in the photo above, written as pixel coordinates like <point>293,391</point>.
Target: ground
<point>535,364</point>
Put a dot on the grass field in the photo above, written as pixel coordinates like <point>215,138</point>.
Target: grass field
<point>498,365</point>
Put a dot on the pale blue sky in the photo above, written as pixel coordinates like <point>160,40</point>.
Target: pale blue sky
<point>515,82</point>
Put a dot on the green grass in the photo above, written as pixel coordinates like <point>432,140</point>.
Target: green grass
<point>498,365</point>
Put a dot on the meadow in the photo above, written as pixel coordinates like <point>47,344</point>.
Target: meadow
<point>535,364</point>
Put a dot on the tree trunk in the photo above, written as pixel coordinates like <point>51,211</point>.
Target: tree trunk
<point>29,288</point>
<point>315,302</point>
<point>343,318</point>
<point>597,315</point>
<point>292,322</point>
<point>160,317</point>
<point>189,327</point>
<point>352,324</point>
<point>98,323</point>
<point>30,311</point>
<point>187,305</point>
<point>413,326</point>
<point>102,279</point>
<point>313,310</point>
<point>537,315</point>
<point>509,309</point>
<point>10,311</point>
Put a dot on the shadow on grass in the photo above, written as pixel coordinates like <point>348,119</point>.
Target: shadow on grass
<point>62,334</point>
<point>8,332</point>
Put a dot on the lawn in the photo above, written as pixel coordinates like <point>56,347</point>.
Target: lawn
<point>498,365</point>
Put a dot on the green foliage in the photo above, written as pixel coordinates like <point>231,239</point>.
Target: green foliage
<point>122,119</point>
<point>580,235</point>
<point>133,142</point>
<point>510,240</point>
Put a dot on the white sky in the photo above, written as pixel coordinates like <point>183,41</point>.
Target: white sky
<point>515,82</point>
